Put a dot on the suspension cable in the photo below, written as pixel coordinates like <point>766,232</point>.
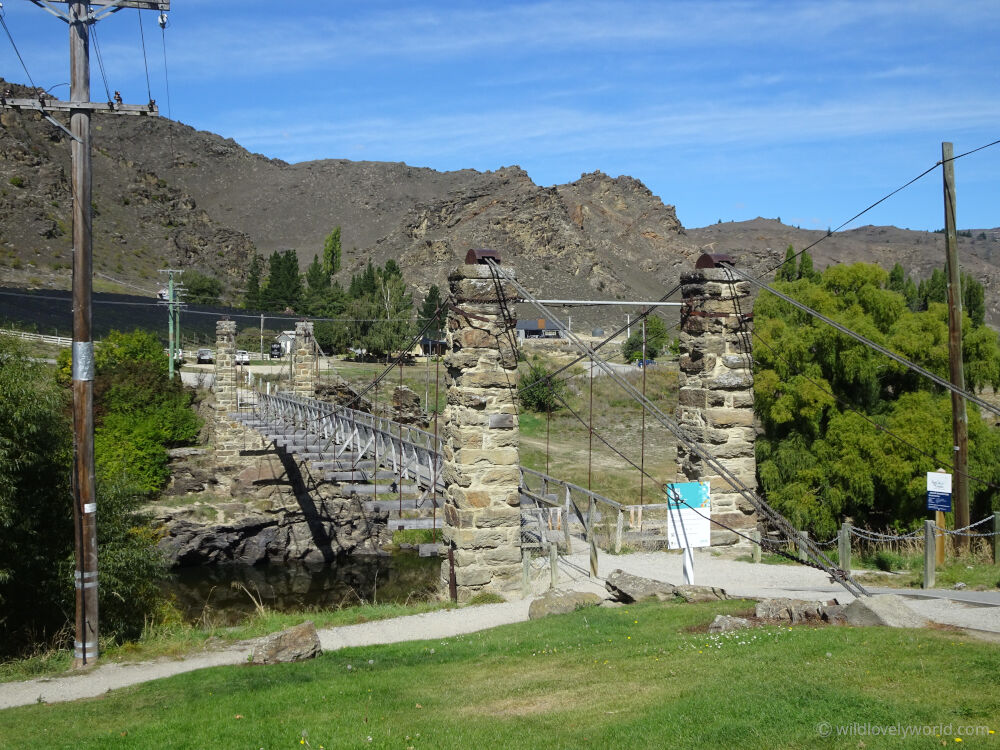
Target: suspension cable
<point>871,344</point>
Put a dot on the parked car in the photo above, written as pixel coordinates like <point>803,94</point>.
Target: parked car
<point>206,356</point>
<point>242,357</point>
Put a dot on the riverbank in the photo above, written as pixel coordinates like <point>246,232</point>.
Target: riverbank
<point>975,611</point>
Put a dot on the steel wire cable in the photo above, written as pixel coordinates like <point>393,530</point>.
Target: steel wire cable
<point>145,61</point>
<point>876,203</point>
<point>751,497</point>
<point>870,420</point>
<point>871,344</point>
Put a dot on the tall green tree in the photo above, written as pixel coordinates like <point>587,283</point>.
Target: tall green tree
<point>332,252</point>
<point>821,398</point>
<point>787,270</point>
<point>252,299</point>
<point>431,310</point>
<point>284,284</point>
<point>201,289</point>
<point>973,300</point>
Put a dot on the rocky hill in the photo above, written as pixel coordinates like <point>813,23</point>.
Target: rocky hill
<point>168,195</point>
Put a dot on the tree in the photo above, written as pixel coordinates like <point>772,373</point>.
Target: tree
<point>393,306</point>
<point>252,299</point>
<point>973,300</point>
<point>657,340</point>
<point>201,289</point>
<point>786,271</point>
<point>821,398</point>
<point>805,270</point>
<point>430,310</point>
<point>36,529</point>
<point>332,252</point>
<point>284,284</point>
<point>897,279</point>
<point>539,391</point>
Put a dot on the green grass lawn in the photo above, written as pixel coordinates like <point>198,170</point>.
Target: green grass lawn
<point>638,676</point>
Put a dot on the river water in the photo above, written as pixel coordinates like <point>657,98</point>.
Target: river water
<point>226,594</point>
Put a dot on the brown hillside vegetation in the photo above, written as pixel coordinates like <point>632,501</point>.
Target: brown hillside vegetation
<point>168,195</point>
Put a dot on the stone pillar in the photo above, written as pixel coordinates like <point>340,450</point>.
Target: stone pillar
<point>304,360</point>
<point>715,403</point>
<point>482,513</point>
<point>225,429</point>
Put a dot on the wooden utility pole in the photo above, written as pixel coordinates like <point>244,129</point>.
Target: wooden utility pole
<point>79,16</point>
<point>959,418</point>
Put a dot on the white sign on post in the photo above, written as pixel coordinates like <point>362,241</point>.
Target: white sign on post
<point>690,512</point>
<point>939,491</point>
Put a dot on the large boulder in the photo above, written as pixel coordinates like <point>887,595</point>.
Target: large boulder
<point>629,588</point>
<point>558,602</point>
<point>789,610</point>
<point>887,610</point>
<point>726,623</point>
<point>295,644</point>
<point>691,593</point>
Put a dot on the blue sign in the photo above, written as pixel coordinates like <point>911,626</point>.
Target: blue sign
<point>939,501</point>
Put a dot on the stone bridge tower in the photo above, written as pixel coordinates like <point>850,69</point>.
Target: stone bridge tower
<point>481,463</point>
<point>715,403</point>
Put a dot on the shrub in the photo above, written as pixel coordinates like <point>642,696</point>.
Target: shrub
<point>17,181</point>
<point>539,391</point>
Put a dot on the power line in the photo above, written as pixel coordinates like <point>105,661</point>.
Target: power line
<point>872,422</point>
<point>876,203</point>
<point>871,344</point>
<point>17,52</point>
<point>758,503</point>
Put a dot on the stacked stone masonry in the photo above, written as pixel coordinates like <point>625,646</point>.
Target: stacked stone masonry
<point>304,361</point>
<point>481,461</point>
<point>261,504</point>
<point>715,402</point>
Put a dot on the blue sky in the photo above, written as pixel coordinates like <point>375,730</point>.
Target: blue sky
<point>807,111</point>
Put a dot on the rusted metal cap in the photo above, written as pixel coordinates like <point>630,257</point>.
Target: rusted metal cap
<point>714,260</point>
<point>478,256</point>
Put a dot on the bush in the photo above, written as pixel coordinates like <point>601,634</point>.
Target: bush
<point>656,340</point>
<point>36,516</point>
<point>539,391</point>
<point>17,181</point>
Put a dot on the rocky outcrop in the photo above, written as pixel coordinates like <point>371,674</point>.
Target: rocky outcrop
<point>303,530</point>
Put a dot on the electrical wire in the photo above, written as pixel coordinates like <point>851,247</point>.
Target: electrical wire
<point>872,345</point>
<point>145,62</point>
<point>17,52</point>
<point>876,203</point>
<point>872,422</point>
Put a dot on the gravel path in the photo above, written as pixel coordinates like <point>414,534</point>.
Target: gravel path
<point>975,610</point>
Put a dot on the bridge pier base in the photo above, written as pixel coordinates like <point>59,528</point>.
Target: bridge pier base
<point>715,402</point>
<point>482,516</point>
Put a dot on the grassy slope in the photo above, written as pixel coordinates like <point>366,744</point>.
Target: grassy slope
<point>628,677</point>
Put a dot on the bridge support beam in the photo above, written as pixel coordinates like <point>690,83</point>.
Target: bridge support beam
<point>480,464</point>
<point>715,403</point>
<point>304,360</point>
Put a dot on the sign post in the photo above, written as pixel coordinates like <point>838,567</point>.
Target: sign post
<point>939,501</point>
<point>690,510</point>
